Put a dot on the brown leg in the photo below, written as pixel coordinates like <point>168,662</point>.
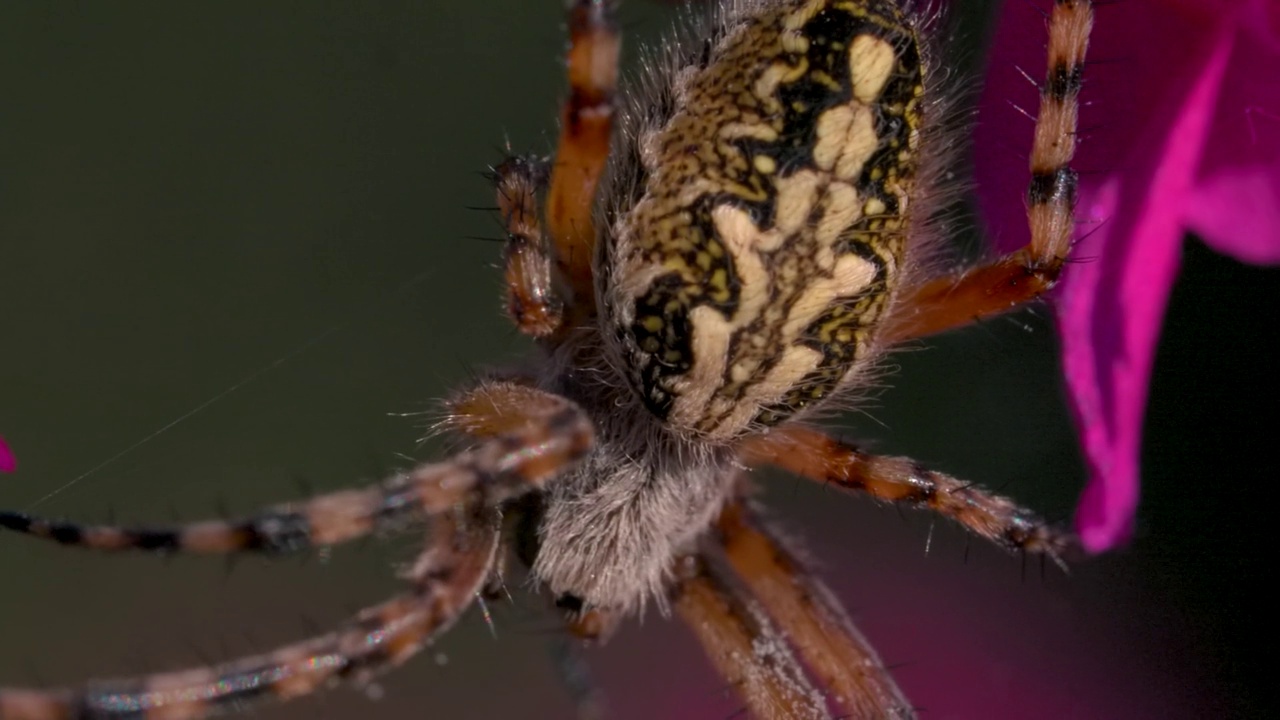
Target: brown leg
<point>446,578</point>
<point>811,619</point>
<point>535,305</point>
<point>586,123</point>
<point>535,436</point>
<point>744,646</point>
<point>812,454</point>
<point>1027,273</point>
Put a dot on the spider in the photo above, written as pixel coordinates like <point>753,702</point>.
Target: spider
<point>709,263</point>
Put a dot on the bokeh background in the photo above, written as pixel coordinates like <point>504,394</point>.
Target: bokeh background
<point>235,259</point>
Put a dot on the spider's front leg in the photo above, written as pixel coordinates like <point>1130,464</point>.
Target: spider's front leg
<point>532,437</point>
<point>586,125</point>
<point>1010,281</point>
<point>550,283</point>
<point>813,455</point>
<point>446,578</point>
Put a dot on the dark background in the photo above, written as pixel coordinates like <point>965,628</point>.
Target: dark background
<point>245,224</point>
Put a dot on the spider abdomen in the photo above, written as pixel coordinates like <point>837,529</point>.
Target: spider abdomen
<point>770,220</point>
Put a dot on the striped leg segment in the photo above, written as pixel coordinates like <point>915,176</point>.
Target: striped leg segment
<point>1027,273</point>
<point>839,656</point>
<point>744,646</point>
<point>379,638</point>
<point>586,124</point>
<point>812,454</point>
<point>535,304</point>
<point>535,442</point>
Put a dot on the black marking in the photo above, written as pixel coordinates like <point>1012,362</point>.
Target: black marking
<point>1056,186</point>
<point>923,480</point>
<point>65,533</point>
<point>570,603</point>
<point>18,522</point>
<point>1064,81</point>
<point>154,540</point>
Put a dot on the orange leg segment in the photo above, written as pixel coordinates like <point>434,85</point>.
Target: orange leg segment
<point>1023,275</point>
<point>446,578</point>
<point>744,646</point>
<point>586,124</point>
<point>812,454</point>
<point>841,658</point>
<point>532,436</point>
<point>535,305</point>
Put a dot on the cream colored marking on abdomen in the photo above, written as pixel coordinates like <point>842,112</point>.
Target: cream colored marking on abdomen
<point>871,63</point>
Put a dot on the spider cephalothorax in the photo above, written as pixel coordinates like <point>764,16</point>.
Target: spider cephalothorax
<point>730,258</point>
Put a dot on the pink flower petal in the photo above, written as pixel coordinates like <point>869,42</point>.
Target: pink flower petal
<point>1111,308</point>
<point>1237,199</point>
<point>8,463</point>
<point>1185,132</point>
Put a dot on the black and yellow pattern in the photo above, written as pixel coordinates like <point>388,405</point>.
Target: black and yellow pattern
<point>768,239</point>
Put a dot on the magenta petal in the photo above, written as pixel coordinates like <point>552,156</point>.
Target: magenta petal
<point>1238,214</point>
<point>1236,208</point>
<point>8,463</point>
<point>1112,305</point>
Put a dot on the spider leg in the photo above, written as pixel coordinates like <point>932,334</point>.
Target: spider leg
<point>586,124</point>
<point>810,617</point>
<point>535,436</point>
<point>816,456</point>
<point>1023,275</point>
<point>446,578</point>
<point>535,304</point>
<point>743,644</point>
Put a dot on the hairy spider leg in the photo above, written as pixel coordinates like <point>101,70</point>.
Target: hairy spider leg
<point>534,302</point>
<point>541,435</point>
<point>812,454</point>
<point>810,617</point>
<point>743,645</point>
<point>586,125</point>
<point>446,578</point>
<point>1021,276</point>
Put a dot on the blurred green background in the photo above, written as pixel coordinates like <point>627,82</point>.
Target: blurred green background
<point>234,256</point>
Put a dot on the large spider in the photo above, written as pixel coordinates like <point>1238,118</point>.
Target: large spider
<point>734,265</point>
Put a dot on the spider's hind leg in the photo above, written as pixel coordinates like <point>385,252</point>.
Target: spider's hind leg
<point>446,577</point>
<point>531,437</point>
<point>1019,277</point>
<point>743,644</point>
<point>812,454</point>
<point>809,615</point>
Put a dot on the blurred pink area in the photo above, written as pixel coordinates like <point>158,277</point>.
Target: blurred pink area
<point>1180,133</point>
<point>8,463</point>
<point>965,639</point>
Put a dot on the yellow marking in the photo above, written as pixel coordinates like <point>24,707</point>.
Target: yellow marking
<point>743,239</point>
<point>693,391</point>
<point>874,206</point>
<point>803,14</point>
<point>797,195</point>
<point>796,362</point>
<point>842,211</point>
<point>871,63</point>
<point>752,131</point>
<point>846,140</point>
<point>764,164</point>
<point>853,274</point>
